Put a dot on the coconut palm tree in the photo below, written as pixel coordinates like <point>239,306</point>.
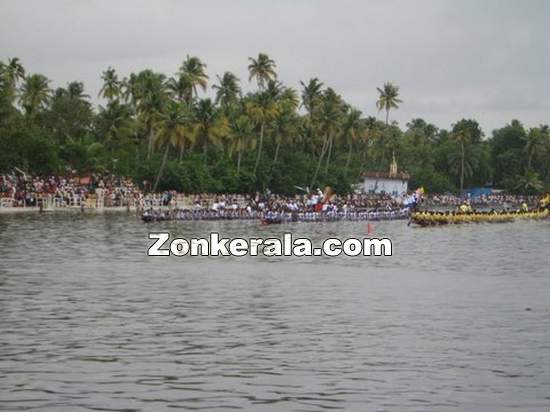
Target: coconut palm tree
<point>115,123</point>
<point>125,93</point>
<point>193,72</point>
<point>370,136</point>
<point>228,89</point>
<point>262,108</point>
<point>210,127</point>
<point>528,183</point>
<point>111,88</point>
<point>188,138</point>
<point>12,73</point>
<point>284,128</point>
<point>15,71</point>
<point>75,90</point>
<point>285,123</point>
<point>331,116</point>
<point>242,137</point>
<point>35,92</point>
<point>388,99</point>
<point>149,95</point>
<point>465,166</point>
<point>312,93</point>
<point>462,138</point>
<point>170,130</point>
<point>352,129</point>
<point>289,100</point>
<point>274,89</point>
<point>180,88</point>
<point>262,69</point>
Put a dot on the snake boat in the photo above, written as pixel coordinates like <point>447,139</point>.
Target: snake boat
<point>437,218</point>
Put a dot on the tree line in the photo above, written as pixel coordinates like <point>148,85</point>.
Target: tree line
<point>161,131</point>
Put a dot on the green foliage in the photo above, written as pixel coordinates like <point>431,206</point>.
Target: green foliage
<point>27,150</point>
<point>527,183</point>
<point>158,130</point>
<point>506,147</point>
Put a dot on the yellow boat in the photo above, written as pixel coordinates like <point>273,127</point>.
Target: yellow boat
<point>434,218</point>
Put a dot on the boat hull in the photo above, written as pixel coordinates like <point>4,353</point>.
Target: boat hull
<point>424,219</point>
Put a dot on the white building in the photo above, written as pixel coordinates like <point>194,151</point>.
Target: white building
<point>393,183</point>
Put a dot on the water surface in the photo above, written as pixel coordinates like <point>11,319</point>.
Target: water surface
<point>457,319</point>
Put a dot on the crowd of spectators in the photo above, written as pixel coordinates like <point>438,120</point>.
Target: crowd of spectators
<point>24,190</point>
<point>18,189</point>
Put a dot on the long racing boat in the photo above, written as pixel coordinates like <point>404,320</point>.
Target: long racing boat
<point>436,218</point>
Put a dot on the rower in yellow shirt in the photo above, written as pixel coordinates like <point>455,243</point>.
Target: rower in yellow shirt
<point>545,201</point>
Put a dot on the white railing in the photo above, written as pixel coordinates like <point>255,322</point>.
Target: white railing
<point>7,202</point>
<point>58,202</point>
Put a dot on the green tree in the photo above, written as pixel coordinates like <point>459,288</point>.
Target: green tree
<point>507,152</point>
<point>262,69</point>
<point>528,183</point>
<point>211,126</point>
<point>242,138</point>
<point>69,114</point>
<point>193,75</point>
<point>388,98</point>
<point>114,125</point>
<point>35,93</point>
<point>82,153</point>
<point>462,138</point>
<point>534,143</point>
<point>352,130</point>
<point>466,133</point>
<point>111,88</point>
<point>12,73</point>
<point>149,95</point>
<point>284,128</point>
<point>312,94</point>
<point>170,131</point>
<point>262,108</point>
<point>330,117</point>
<point>180,88</point>
<point>228,90</point>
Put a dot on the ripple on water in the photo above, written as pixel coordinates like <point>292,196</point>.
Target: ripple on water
<point>89,322</point>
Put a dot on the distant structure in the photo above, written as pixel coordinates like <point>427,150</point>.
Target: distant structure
<point>393,183</point>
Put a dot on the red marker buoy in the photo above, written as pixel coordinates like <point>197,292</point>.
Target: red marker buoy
<point>370,228</point>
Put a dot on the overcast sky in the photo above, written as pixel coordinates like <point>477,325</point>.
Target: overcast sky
<point>483,59</point>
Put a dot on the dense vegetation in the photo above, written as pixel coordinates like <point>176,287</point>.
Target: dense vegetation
<point>158,129</point>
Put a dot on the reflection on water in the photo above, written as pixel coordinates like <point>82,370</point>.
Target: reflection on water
<point>89,322</point>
